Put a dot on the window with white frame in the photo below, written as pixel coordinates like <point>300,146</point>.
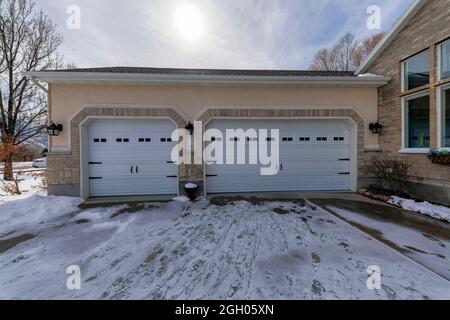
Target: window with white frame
<point>416,71</point>
<point>416,121</point>
<point>445,117</point>
<point>444,49</point>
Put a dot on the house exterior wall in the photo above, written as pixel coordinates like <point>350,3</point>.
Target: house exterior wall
<point>71,104</point>
<point>426,30</point>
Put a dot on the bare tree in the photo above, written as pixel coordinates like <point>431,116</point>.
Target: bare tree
<point>28,41</point>
<point>346,55</point>
<point>365,48</point>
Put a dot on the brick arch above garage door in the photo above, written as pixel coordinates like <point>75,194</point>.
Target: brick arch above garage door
<point>119,111</point>
<point>64,168</point>
<point>213,113</point>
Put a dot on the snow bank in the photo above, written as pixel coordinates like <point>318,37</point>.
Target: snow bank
<point>35,209</point>
<point>426,208</point>
<point>29,183</point>
<point>181,199</point>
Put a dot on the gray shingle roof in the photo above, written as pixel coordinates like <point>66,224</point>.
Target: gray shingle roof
<point>210,72</point>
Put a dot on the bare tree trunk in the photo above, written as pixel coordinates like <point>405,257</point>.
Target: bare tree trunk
<point>8,169</point>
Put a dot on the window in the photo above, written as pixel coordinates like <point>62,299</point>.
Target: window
<point>445,117</point>
<point>445,60</point>
<point>416,71</point>
<point>417,122</point>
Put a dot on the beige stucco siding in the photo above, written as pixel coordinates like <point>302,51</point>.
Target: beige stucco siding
<point>192,100</point>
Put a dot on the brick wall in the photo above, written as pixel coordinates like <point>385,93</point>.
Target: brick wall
<point>428,28</point>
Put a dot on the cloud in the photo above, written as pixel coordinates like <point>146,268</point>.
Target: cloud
<point>262,34</point>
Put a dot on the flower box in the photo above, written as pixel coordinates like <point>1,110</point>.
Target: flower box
<point>439,157</point>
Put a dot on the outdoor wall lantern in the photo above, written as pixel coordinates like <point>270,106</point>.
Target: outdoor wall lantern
<point>190,128</point>
<point>376,128</point>
<point>54,129</point>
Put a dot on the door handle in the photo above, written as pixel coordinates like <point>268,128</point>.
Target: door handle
<point>131,170</point>
<point>281,167</point>
<point>137,169</point>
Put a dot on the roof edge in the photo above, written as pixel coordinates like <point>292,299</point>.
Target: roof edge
<point>54,77</point>
<point>389,37</point>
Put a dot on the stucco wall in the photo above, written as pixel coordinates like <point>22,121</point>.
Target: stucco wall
<point>67,99</point>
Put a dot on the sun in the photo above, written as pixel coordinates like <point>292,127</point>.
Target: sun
<point>189,22</point>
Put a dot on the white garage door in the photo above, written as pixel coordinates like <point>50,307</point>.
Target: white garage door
<point>314,156</point>
<point>131,157</point>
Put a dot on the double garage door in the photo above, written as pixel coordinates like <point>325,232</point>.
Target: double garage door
<point>314,156</point>
<point>133,157</point>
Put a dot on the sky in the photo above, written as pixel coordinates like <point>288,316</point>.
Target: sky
<point>240,34</point>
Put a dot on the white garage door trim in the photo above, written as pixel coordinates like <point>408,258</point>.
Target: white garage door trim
<point>353,142</point>
<point>84,148</point>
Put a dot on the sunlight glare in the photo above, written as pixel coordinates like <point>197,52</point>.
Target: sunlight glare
<point>189,21</point>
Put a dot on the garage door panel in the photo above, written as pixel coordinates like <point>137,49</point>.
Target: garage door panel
<point>110,171</point>
<point>155,169</point>
<point>315,155</point>
<point>162,186</point>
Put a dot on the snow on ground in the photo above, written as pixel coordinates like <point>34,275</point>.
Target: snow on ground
<point>29,213</point>
<point>30,183</point>
<point>19,166</point>
<point>273,250</point>
<point>426,208</point>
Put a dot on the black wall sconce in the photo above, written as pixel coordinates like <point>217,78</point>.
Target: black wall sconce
<point>54,129</point>
<point>376,128</point>
<point>190,128</point>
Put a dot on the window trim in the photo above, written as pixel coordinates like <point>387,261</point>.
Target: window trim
<point>405,149</point>
<point>439,93</point>
<point>439,60</point>
<point>403,69</point>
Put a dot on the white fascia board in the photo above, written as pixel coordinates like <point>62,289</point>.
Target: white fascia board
<point>390,36</point>
<point>83,77</point>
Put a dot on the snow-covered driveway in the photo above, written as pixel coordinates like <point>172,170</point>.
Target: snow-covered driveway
<point>219,250</point>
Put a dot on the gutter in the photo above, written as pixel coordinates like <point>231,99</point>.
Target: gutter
<point>34,81</point>
<point>71,77</point>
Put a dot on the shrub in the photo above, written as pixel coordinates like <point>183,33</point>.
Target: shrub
<point>393,173</point>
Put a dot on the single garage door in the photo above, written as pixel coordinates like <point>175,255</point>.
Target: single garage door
<point>314,156</point>
<point>131,157</point>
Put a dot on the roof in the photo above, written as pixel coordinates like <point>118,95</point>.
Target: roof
<point>202,76</point>
<point>391,35</point>
<point>206,72</point>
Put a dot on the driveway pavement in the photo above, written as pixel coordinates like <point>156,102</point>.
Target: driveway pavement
<point>223,249</point>
<point>423,239</point>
